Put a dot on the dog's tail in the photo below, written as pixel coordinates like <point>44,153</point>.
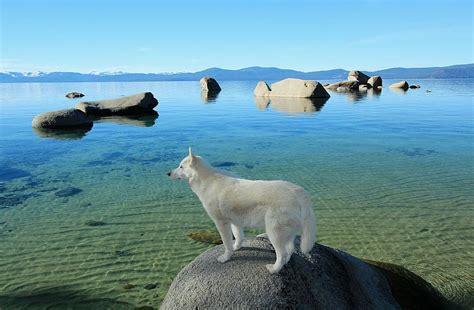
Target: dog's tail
<point>308,223</point>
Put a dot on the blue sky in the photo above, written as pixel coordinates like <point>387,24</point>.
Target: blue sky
<point>169,36</point>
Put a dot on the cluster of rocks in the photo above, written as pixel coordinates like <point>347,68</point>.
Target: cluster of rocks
<point>83,115</point>
<point>357,81</point>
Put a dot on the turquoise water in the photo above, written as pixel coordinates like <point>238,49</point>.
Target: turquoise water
<point>390,175</point>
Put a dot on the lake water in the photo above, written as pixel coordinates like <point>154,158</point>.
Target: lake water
<point>391,176</point>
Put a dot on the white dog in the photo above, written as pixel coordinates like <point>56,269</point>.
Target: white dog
<point>283,208</point>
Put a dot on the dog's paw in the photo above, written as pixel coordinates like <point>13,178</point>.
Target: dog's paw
<point>223,258</point>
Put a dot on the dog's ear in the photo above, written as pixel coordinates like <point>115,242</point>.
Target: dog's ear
<point>190,152</point>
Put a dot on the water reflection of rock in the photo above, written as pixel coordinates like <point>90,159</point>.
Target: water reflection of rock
<point>147,120</point>
<point>262,103</point>
<point>209,96</point>
<point>291,105</point>
<point>61,134</point>
<point>397,90</point>
<point>356,96</point>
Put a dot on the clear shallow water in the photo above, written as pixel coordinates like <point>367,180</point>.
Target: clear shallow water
<point>391,177</point>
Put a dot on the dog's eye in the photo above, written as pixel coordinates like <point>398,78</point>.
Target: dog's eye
<point>181,167</point>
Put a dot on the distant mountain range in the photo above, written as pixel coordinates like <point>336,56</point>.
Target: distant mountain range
<point>251,73</point>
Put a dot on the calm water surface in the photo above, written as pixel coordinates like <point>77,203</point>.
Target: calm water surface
<point>391,177</point>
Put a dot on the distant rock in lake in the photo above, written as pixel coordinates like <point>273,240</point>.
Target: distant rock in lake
<point>415,86</point>
<point>262,89</point>
<point>375,81</point>
<point>62,119</point>
<point>209,84</point>
<point>351,85</point>
<point>137,104</point>
<point>357,76</point>
<point>74,95</point>
<point>298,88</point>
<point>400,85</point>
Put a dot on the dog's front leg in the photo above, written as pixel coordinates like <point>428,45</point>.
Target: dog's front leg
<point>225,231</point>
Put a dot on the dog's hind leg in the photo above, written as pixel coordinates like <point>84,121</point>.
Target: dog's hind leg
<point>290,247</point>
<point>225,231</point>
<point>239,236</point>
<point>279,237</point>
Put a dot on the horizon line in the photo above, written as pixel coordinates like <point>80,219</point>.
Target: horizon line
<point>210,68</point>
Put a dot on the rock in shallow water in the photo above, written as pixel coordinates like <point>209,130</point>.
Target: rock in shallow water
<point>326,279</point>
<point>357,76</point>
<point>138,104</point>
<point>209,84</point>
<point>62,119</point>
<point>262,89</point>
<point>298,88</point>
<point>401,85</point>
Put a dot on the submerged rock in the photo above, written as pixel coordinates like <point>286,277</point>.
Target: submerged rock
<point>93,223</point>
<point>358,76</point>
<point>150,286</point>
<point>68,191</point>
<point>324,279</point>
<point>8,173</point>
<point>62,119</point>
<point>129,286</point>
<point>206,236</point>
<point>401,85</point>
<point>138,104</point>
<point>410,290</point>
<point>415,86</point>
<point>298,88</point>
<point>209,84</point>
<point>74,94</point>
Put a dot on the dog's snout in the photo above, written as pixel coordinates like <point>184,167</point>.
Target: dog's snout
<point>169,173</point>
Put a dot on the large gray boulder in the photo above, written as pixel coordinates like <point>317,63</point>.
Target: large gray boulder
<point>137,104</point>
<point>375,81</point>
<point>351,85</point>
<point>325,279</point>
<point>298,88</point>
<point>262,89</point>
<point>62,119</point>
<point>401,85</point>
<point>358,76</point>
<point>209,84</point>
